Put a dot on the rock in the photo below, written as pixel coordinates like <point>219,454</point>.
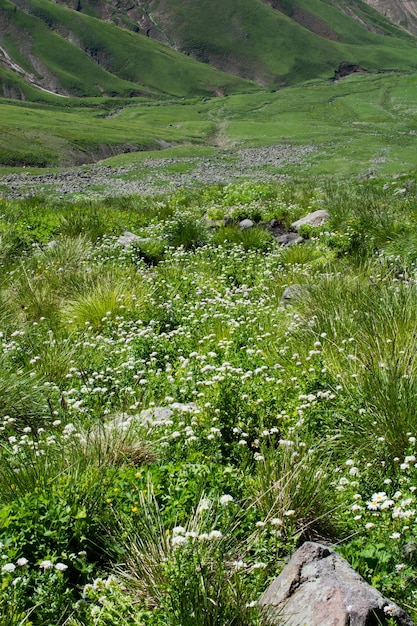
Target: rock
<point>317,218</point>
<point>246,224</point>
<point>293,292</point>
<point>126,239</point>
<point>157,415</point>
<point>289,239</point>
<point>319,588</point>
<point>228,220</point>
<point>346,68</point>
<point>410,549</point>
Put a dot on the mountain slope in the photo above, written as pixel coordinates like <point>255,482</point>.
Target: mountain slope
<point>184,47</point>
<point>69,53</point>
<point>271,42</point>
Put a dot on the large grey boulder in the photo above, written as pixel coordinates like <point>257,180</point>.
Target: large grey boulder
<point>319,588</point>
<point>317,218</point>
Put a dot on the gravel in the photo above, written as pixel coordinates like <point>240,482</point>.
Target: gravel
<point>152,176</point>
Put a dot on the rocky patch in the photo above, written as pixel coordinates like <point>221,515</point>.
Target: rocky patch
<point>152,178</point>
<point>319,588</point>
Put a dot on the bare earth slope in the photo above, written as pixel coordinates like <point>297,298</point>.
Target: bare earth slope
<point>401,12</point>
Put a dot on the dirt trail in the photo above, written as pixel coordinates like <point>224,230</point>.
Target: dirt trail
<point>220,138</point>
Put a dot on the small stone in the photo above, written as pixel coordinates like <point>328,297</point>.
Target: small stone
<point>317,218</point>
<point>410,548</point>
<point>289,239</point>
<point>293,292</point>
<point>126,239</point>
<point>246,224</point>
<point>211,224</point>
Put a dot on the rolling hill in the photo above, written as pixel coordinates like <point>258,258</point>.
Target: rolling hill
<point>183,48</point>
<point>59,50</point>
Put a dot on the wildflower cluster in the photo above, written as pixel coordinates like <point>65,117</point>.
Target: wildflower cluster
<point>165,415</point>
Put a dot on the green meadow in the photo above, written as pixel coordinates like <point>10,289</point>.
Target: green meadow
<point>171,427</point>
<point>358,124</point>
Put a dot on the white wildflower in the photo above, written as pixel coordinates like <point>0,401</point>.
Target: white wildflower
<point>61,567</point>
<point>8,567</point>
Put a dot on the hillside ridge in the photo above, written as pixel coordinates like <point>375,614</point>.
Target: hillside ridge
<point>90,48</point>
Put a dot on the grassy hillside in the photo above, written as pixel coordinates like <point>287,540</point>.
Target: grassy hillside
<point>266,44</point>
<point>269,42</point>
<point>84,52</point>
<point>74,54</point>
<point>359,124</point>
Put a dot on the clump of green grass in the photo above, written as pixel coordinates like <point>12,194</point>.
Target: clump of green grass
<point>249,239</point>
<point>103,301</point>
<point>189,573</point>
<point>186,230</point>
<point>368,328</point>
<point>292,487</point>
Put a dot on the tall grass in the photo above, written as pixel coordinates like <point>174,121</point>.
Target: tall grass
<point>175,426</point>
<point>189,571</point>
<point>369,329</point>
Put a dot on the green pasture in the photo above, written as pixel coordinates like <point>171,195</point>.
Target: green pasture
<point>361,123</point>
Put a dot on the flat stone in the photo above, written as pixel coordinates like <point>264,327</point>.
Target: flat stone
<point>319,588</point>
<point>317,218</point>
<point>293,292</point>
<point>246,224</point>
<point>127,238</point>
<point>157,415</point>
